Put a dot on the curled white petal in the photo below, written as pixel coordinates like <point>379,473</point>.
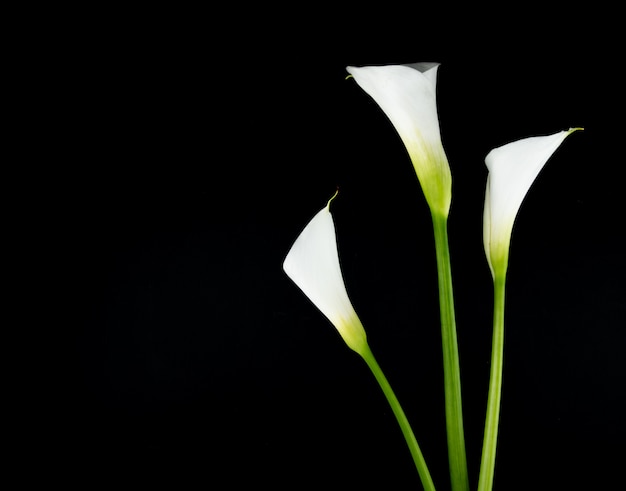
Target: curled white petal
<point>512,170</point>
<point>313,265</point>
<point>407,95</point>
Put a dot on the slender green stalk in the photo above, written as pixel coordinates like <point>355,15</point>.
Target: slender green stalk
<point>414,448</point>
<point>451,370</point>
<point>488,459</point>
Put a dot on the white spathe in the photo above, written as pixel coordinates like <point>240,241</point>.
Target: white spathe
<point>512,170</point>
<point>407,95</point>
<point>313,265</point>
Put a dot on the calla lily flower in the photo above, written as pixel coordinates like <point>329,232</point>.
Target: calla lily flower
<point>407,95</point>
<point>313,265</point>
<point>512,170</point>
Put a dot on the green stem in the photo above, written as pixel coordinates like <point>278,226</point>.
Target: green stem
<point>414,448</point>
<point>451,370</point>
<point>488,459</point>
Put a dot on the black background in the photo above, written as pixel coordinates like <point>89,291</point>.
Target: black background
<point>169,161</point>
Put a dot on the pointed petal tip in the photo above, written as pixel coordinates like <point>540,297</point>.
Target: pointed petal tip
<point>331,199</point>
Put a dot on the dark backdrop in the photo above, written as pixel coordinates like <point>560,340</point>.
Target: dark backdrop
<point>171,163</point>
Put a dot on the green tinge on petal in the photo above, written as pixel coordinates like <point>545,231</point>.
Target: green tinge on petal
<point>487,226</point>
<point>433,172</point>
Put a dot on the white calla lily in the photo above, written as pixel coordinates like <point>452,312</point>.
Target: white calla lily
<point>313,265</point>
<point>512,170</point>
<point>407,95</point>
